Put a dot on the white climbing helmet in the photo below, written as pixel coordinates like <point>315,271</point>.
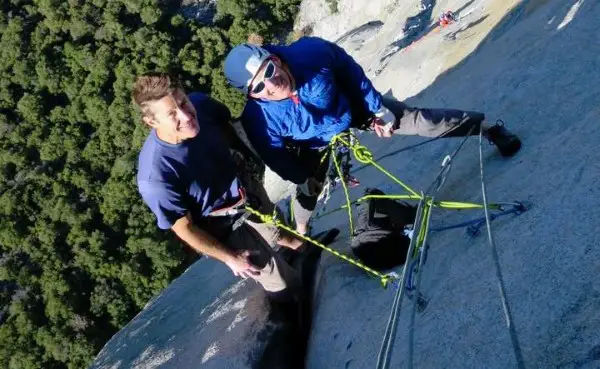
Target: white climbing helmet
<point>242,63</point>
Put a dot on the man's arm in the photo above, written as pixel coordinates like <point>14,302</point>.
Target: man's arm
<point>205,243</point>
<point>353,81</point>
<point>167,203</point>
<point>350,77</point>
<point>355,85</point>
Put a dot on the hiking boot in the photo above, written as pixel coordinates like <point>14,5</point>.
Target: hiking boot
<point>507,142</point>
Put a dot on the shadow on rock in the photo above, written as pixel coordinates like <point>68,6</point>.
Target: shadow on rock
<point>290,321</point>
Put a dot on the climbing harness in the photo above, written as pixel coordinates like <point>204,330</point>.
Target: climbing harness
<point>342,155</point>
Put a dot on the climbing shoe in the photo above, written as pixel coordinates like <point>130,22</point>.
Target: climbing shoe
<point>507,142</point>
<point>351,181</point>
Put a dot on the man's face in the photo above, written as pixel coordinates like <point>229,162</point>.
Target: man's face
<point>173,117</point>
<point>271,82</point>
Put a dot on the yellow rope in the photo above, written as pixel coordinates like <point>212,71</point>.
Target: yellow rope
<point>269,219</point>
<point>463,205</point>
<point>424,226</point>
<point>441,204</point>
<point>394,197</point>
<point>363,155</point>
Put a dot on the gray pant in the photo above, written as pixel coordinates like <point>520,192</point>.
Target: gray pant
<point>433,122</point>
<point>410,121</point>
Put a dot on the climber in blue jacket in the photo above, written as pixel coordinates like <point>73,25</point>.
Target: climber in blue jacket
<point>300,96</point>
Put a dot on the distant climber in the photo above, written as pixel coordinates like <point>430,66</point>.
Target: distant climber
<point>300,96</point>
<point>447,18</point>
<point>424,5</point>
<point>188,178</point>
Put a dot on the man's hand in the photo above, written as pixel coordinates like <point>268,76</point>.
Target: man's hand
<point>205,243</point>
<point>383,122</point>
<point>241,266</point>
<point>381,128</point>
<point>311,187</point>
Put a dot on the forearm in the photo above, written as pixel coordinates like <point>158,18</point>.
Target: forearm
<point>203,242</point>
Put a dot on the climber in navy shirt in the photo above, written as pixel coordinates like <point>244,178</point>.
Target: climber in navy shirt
<point>188,178</point>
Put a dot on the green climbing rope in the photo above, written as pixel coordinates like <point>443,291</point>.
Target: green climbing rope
<point>363,155</point>
<point>270,219</point>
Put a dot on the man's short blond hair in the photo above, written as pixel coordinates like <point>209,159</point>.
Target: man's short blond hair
<point>151,87</point>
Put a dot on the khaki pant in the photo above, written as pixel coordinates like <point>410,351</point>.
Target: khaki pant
<point>275,275</point>
<point>255,189</point>
<point>260,239</point>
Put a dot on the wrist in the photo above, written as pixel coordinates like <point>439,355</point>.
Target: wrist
<point>229,257</point>
<point>385,115</point>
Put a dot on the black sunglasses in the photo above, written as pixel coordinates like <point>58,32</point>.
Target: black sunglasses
<point>268,74</point>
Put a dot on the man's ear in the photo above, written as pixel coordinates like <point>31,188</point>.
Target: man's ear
<point>148,121</point>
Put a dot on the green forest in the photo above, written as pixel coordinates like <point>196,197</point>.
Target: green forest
<point>80,254</point>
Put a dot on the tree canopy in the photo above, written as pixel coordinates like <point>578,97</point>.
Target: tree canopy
<point>80,254</point>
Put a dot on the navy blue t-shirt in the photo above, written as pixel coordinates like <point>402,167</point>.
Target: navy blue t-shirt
<point>196,175</point>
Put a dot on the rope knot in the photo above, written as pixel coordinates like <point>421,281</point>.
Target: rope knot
<point>362,154</point>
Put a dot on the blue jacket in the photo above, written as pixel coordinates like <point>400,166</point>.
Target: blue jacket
<point>329,83</point>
